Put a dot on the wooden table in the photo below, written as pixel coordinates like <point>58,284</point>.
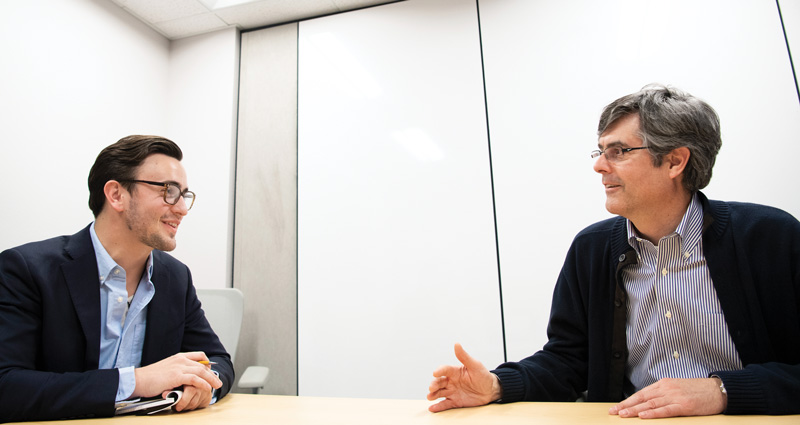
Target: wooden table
<point>289,410</point>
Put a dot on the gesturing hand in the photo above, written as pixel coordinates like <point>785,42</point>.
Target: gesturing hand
<point>180,370</point>
<point>674,397</point>
<point>463,386</point>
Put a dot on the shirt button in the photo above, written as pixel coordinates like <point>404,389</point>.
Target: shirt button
<point>664,271</point>
<point>676,355</point>
<point>687,254</point>
<point>116,271</point>
<point>668,315</point>
<point>119,299</point>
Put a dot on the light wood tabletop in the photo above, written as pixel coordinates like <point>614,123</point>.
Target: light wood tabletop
<point>289,410</point>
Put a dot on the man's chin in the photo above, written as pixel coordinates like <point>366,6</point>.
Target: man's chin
<point>612,207</point>
<point>162,244</point>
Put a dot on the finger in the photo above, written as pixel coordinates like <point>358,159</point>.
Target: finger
<point>204,400</point>
<point>195,356</point>
<point>636,410</point>
<point>442,393</point>
<point>668,411</point>
<point>446,371</point>
<point>215,382</point>
<point>196,401</point>
<point>195,381</point>
<point>466,359</point>
<point>634,400</point>
<point>442,406</point>
<point>186,400</point>
<point>438,383</point>
<point>204,373</point>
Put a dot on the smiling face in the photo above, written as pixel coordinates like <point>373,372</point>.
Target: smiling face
<point>152,221</point>
<point>635,188</point>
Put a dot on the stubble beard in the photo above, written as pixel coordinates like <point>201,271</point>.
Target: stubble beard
<point>137,224</point>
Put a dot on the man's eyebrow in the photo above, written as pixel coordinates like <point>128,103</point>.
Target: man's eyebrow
<point>174,183</point>
<point>611,144</point>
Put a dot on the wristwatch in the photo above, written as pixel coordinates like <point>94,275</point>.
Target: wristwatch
<point>721,385</point>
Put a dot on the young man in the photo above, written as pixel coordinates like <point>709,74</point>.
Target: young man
<point>105,315</point>
<point>681,305</point>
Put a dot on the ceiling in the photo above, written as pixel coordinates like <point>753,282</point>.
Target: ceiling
<point>176,19</point>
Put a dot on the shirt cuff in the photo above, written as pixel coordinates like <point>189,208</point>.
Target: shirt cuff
<point>127,383</point>
<point>214,392</point>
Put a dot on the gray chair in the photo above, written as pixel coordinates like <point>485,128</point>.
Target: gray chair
<point>224,308</point>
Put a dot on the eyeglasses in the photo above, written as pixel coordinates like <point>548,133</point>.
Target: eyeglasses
<point>172,192</point>
<point>615,153</point>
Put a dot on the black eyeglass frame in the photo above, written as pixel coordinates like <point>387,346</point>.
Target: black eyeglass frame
<point>622,152</point>
<point>166,186</point>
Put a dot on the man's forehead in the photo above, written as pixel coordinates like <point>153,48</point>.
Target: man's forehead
<point>624,132</point>
<point>164,168</point>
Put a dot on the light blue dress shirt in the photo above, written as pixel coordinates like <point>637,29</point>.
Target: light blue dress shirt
<point>122,333</point>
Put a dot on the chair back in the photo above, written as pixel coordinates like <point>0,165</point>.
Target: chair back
<point>223,308</point>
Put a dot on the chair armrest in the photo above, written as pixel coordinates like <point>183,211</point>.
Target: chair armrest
<point>254,377</point>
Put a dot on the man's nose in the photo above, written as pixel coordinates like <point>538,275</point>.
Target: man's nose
<point>601,164</point>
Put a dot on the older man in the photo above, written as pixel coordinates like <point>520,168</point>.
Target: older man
<point>681,305</point>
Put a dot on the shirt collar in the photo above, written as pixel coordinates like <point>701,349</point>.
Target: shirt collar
<point>106,264</point>
<point>689,229</point>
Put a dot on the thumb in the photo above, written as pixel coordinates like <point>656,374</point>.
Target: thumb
<point>466,359</point>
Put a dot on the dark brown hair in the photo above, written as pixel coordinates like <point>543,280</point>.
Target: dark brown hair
<point>120,161</point>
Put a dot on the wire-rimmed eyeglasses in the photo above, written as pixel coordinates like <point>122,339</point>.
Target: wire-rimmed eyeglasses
<point>615,153</point>
<point>172,192</point>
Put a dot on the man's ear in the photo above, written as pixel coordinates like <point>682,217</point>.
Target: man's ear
<point>677,160</point>
<point>114,195</point>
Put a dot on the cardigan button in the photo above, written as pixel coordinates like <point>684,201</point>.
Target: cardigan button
<point>617,354</point>
<point>617,303</point>
<point>622,258</point>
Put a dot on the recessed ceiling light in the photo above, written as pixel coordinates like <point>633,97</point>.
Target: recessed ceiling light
<point>219,4</point>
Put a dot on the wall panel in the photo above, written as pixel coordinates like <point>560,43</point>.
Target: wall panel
<point>790,10</point>
<point>265,239</point>
<point>396,246</point>
<point>550,68</point>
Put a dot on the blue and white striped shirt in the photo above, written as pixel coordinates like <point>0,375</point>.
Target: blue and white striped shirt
<point>675,327</point>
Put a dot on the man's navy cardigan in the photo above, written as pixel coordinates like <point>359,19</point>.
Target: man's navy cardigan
<point>753,255</point>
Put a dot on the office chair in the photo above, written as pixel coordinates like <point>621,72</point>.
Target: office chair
<point>224,309</point>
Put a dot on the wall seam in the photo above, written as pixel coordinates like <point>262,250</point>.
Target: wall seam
<point>491,177</point>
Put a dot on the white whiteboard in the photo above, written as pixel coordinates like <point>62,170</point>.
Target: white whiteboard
<point>396,244</point>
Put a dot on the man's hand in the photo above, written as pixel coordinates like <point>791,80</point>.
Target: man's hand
<point>674,397</point>
<point>192,399</point>
<point>463,386</point>
<point>180,370</point>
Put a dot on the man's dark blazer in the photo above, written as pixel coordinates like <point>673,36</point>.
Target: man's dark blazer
<point>50,329</point>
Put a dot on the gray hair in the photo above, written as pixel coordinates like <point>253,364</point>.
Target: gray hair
<point>670,119</point>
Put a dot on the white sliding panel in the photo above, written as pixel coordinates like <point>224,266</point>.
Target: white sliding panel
<point>552,65</point>
<point>396,244</point>
<point>790,9</point>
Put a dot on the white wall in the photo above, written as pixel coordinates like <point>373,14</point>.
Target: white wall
<point>76,76</point>
<point>396,255</point>
<point>201,115</point>
<point>549,71</point>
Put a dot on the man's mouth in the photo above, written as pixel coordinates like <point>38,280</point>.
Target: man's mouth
<point>172,224</point>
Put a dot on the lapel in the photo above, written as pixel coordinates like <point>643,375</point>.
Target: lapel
<point>81,277</point>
